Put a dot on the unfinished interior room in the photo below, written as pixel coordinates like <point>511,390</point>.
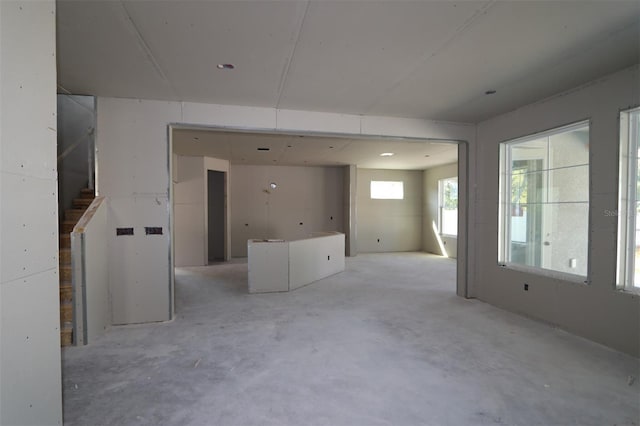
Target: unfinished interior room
<point>309,212</point>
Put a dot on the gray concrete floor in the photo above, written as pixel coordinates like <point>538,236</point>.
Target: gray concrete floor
<point>384,343</point>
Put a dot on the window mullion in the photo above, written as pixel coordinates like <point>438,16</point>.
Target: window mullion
<point>631,179</point>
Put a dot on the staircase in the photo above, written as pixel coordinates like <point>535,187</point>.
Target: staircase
<point>71,217</point>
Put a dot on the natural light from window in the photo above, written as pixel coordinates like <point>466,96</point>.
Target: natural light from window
<point>387,190</point>
<point>629,202</point>
<point>448,206</point>
<point>544,201</point>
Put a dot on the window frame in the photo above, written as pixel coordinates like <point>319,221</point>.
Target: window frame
<point>441,183</point>
<point>627,204</point>
<point>371,184</point>
<point>504,191</point>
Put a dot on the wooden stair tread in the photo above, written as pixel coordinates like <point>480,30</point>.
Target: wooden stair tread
<point>66,335</point>
<point>65,256</point>
<point>65,272</point>
<point>73,214</point>
<point>67,226</point>
<point>66,294</point>
<point>66,312</point>
<point>82,202</point>
<point>65,240</point>
<point>71,218</point>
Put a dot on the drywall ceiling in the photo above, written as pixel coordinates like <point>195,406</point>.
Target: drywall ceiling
<point>424,59</point>
<point>305,150</point>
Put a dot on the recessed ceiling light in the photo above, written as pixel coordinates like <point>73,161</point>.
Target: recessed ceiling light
<point>225,66</point>
<point>196,139</point>
<point>386,154</point>
<point>490,92</point>
<point>273,185</point>
<point>426,155</point>
<point>330,147</point>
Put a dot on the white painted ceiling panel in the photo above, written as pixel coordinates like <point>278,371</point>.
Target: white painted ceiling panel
<point>306,150</point>
<point>349,53</point>
<point>620,50</point>
<point>189,39</point>
<point>99,53</point>
<point>514,42</point>
<point>423,59</point>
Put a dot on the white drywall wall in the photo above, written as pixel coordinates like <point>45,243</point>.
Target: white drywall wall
<point>305,200</point>
<point>268,266</point>
<point>389,225</point>
<point>189,210</point>
<point>594,310</point>
<point>315,258</point>
<point>276,266</point>
<point>133,171</point>
<point>89,242</point>
<point>430,211</point>
<point>30,379</point>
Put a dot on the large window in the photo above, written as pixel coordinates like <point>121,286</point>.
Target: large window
<point>629,202</point>
<point>448,206</point>
<point>544,201</point>
<point>387,190</point>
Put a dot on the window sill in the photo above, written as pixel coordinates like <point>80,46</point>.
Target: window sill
<point>563,276</point>
<point>629,291</point>
<point>455,237</point>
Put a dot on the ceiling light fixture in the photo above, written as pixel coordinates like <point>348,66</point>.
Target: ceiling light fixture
<point>387,154</point>
<point>225,66</point>
<point>490,92</point>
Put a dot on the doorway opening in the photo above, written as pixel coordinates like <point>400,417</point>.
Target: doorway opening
<point>216,215</point>
<point>254,157</point>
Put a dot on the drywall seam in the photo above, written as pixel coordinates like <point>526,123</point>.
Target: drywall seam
<point>285,70</point>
